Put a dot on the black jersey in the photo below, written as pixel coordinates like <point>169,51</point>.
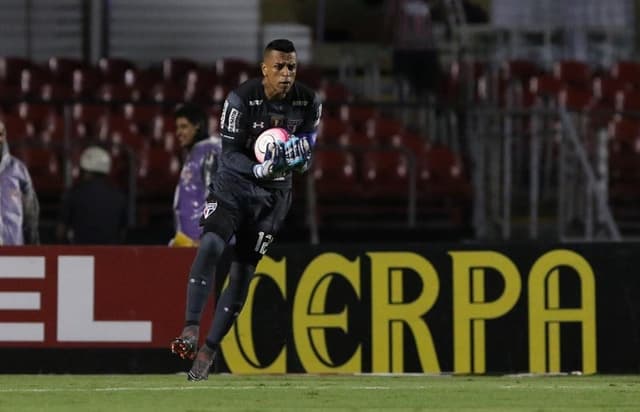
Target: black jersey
<point>247,112</point>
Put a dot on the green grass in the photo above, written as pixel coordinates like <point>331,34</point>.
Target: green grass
<point>157,393</point>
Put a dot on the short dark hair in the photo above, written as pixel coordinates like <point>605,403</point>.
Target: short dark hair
<point>196,116</point>
<point>281,45</point>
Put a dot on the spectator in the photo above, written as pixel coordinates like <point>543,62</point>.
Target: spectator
<point>93,211</point>
<point>19,208</point>
<point>201,152</point>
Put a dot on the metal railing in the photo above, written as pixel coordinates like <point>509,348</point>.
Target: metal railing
<point>533,176</point>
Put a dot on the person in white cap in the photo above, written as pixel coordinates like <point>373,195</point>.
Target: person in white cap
<point>93,211</point>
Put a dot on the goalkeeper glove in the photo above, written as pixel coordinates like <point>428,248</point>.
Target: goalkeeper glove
<point>274,165</point>
<point>297,151</point>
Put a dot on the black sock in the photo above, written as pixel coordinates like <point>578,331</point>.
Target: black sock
<point>231,301</point>
<point>201,276</point>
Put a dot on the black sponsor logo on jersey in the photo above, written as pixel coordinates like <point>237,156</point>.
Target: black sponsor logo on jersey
<point>300,103</point>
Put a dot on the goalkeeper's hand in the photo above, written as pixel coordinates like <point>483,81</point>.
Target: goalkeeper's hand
<point>297,153</point>
<point>274,165</point>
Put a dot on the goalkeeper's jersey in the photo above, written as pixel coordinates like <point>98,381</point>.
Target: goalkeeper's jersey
<point>247,113</point>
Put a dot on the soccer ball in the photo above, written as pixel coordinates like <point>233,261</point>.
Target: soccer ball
<point>273,135</point>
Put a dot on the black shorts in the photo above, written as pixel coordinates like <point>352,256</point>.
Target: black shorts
<point>254,214</point>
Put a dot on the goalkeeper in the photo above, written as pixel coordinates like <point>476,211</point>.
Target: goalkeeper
<point>247,199</point>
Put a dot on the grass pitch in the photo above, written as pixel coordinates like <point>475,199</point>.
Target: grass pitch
<point>173,393</point>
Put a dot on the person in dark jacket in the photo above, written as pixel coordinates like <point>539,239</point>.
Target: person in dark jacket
<point>93,211</point>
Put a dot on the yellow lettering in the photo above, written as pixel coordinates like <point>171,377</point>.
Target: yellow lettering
<point>470,309</point>
<point>238,346</point>
<point>545,314</point>
<point>389,313</point>
<point>310,319</point>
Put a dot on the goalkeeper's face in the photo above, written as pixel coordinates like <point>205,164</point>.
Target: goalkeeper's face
<point>279,71</point>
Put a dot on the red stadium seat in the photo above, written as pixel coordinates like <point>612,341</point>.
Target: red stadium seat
<point>111,124</point>
<point>332,129</point>
<point>624,180</point>
<point>142,115</point>
<point>335,93</point>
<point>113,69</point>
<point>117,92</point>
<point>519,69</point>
<point>443,187</point>
<point>576,99</point>
<point>201,78</point>
<point>10,91</point>
<point>175,69</point>
<point>358,140</point>
<point>627,72</point>
<point>16,127</point>
<point>11,68</point>
<point>606,88</point>
<point>37,116</point>
<point>62,68</point>
<point>85,119</point>
<point>143,79</point>
<point>159,128</point>
<point>46,169</point>
<point>56,93</point>
<point>310,75</point>
<point>167,92</point>
<point>574,73</point>
<point>51,131</point>
<point>412,142</point>
<point>218,93</point>
<point>383,128</point>
<point>85,82</point>
<point>358,116</point>
<point>545,85</point>
<point>624,135</point>
<point>386,174</point>
<point>441,174</point>
<point>158,173</point>
<point>31,81</point>
<point>628,101</point>
<point>334,173</point>
<point>233,71</point>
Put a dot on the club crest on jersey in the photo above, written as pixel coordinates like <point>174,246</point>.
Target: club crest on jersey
<point>209,209</point>
<point>277,120</point>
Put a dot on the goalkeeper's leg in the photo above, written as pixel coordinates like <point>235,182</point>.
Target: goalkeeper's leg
<point>198,290</point>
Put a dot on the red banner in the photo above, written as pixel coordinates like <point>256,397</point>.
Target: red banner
<point>92,296</point>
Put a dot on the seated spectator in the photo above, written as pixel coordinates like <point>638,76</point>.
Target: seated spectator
<point>19,208</point>
<point>93,211</point>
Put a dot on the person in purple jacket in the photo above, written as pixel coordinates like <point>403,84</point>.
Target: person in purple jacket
<point>19,207</point>
<point>200,163</point>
